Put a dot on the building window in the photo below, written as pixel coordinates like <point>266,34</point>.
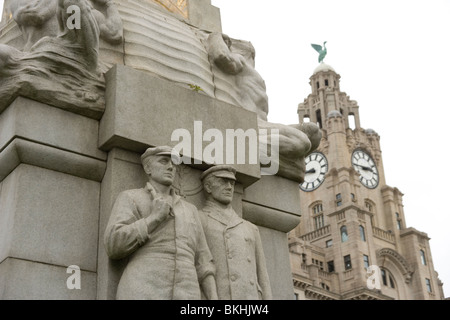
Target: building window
<point>329,243</point>
<point>318,208</point>
<point>319,118</point>
<point>306,119</point>
<point>369,206</point>
<point>319,222</point>
<point>391,282</point>
<point>338,200</point>
<point>347,262</point>
<point>324,286</point>
<point>317,84</point>
<point>366,261</point>
<point>326,82</point>
<point>330,265</point>
<point>428,283</point>
<point>362,233</point>
<point>422,257</point>
<point>344,234</point>
<point>352,196</point>
<point>383,277</point>
<point>399,221</point>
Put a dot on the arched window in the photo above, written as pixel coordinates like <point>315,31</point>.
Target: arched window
<point>385,276</point>
<point>319,221</point>
<point>344,234</point>
<point>362,233</point>
<point>318,208</point>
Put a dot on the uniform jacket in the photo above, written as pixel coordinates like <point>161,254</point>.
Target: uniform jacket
<point>237,251</point>
<point>167,264</point>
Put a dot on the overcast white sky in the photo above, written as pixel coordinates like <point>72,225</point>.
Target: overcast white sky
<point>394,60</point>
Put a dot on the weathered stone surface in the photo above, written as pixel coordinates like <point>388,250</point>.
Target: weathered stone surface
<point>272,202</point>
<point>134,99</point>
<point>29,280</point>
<point>278,264</point>
<point>35,121</point>
<point>59,65</point>
<point>23,151</point>
<point>49,217</point>
<point>40,135</point>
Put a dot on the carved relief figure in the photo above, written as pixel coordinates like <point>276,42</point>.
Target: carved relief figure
<point>235,243</point>
<point>235,60</point>
<point>162,236</point>
<point>58,64</point>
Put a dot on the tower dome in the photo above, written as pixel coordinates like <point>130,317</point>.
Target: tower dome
<point>334,114</point>
<point>323,67</point>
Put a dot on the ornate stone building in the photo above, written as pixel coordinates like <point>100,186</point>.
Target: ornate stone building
<point>352,241</point>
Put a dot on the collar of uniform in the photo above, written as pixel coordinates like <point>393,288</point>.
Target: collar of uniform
<point>151,189</point>
<point>215,211</point>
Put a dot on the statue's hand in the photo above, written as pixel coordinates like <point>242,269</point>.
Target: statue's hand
<point>161,209</point>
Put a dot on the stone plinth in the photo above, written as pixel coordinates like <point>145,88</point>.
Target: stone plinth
<point>50,173</point>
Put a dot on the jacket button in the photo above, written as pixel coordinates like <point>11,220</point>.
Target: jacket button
<point>233,278</point>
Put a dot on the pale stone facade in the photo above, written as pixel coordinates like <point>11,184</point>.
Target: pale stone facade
<point>327,264</point>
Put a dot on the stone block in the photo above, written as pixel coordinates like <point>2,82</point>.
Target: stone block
<point>49,217</point>
<point>29,280</point>
<point>143,110</point>
<point>275,244</point>
<point>24,151</point>
<point>273,202</point>
<point>35,121</point>
<point>205,16</point>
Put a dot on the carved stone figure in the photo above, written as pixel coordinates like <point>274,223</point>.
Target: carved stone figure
<point>162,236</point>
<point>59,65</point>
<point>234,61</point>
<point>235,243</point>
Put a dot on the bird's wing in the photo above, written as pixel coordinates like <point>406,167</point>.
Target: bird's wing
<point>317,47</point>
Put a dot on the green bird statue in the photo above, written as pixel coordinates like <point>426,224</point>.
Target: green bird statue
<point>322,51</point>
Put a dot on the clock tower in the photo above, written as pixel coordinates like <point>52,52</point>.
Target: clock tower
<point>352,241</point>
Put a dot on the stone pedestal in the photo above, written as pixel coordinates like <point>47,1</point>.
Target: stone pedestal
<point>61,172</point>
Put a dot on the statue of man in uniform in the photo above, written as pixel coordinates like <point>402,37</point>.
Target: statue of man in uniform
<point>162,236</point>
<point>235,243</point>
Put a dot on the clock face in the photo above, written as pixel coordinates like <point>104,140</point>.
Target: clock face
<point>316,168</point>
<point>366,167</point>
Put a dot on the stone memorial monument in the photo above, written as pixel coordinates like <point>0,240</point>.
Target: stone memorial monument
<point>86,88</point>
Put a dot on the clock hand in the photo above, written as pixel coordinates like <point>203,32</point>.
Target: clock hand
<point>365,168</point>
<point>310,171</point>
